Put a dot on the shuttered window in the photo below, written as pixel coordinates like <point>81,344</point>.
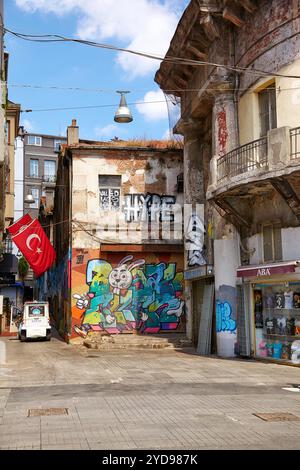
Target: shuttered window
<point>272,244</point>
<point>267,109</point>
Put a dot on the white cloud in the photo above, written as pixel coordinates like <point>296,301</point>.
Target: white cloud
<point>155,107</point>
<point>142,25</point>
<point>28,125</point>
<point>167,135</point>
<point>109,132</point>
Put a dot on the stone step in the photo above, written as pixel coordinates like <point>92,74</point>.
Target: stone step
<point>172,341</point>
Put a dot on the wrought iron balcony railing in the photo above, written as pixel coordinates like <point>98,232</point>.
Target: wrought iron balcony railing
<point>49,178</point>
<point>34,176</point>
<point>295,143</point>
<point>248,157</point>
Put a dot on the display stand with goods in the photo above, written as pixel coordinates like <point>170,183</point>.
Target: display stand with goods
<point>276,310</point>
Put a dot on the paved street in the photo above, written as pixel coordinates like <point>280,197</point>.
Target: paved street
<point>141,400</point>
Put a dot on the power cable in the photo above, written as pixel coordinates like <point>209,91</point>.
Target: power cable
<point>102,90</point>
<point>89,107</point>
<point>279,90</point>
<point>175,60</point>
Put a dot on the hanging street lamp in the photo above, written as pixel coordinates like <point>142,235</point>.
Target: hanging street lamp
<point>123,114</point>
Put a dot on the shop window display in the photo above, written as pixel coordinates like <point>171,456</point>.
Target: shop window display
<point>277,321</point>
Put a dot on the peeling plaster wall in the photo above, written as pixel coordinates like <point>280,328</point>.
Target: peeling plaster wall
<point>271,207</point>
<point>268,40</point>
<point>288,100</point>
<point>287,104</point>
<point>290,249</point>
<point>141,172</point>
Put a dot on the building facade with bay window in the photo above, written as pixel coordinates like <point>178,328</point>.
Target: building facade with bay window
<point>241,126</point>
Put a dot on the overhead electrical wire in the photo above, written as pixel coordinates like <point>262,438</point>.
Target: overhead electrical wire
<point>103,90</point>
<point>166,101</point>
<point>89,107</point>
<point>175,60</point>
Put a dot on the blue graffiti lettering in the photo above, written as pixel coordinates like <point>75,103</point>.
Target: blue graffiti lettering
<point>223,317</point>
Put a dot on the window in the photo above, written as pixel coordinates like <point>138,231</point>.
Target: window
<point>272,246</point>
<point>49,170</point>
<point>109,192</point>
<point>34,168</point>
<point>180,183</point>
<point>8,246</point>
<point>34,140</point>
<point>7,132</point>
<point>35,311</point>
<point>267,109</point>
<point>57,144</point>
<point>35,195</point>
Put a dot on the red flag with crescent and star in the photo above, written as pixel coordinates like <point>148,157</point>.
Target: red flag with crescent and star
<point>20,224</point>
<point>35,246</point>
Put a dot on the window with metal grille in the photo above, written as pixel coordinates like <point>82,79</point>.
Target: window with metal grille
<point>79,259</point>
<point>180,183</point>
<point>49,171</point>
<point>109,192</point>
<point>272,245</point>
<point>267,109</point>
<point>8,246</point>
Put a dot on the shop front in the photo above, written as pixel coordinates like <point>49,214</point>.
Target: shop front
<point>274,306</point>
<point>11,293</point>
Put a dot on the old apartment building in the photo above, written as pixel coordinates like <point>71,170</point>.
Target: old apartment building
<point>119,249</point>
<point>40,166</point>
<point>240,118</point>
<point>10,288</point>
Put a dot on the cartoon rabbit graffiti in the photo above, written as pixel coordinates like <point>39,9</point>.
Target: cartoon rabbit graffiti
<point>132,295</point>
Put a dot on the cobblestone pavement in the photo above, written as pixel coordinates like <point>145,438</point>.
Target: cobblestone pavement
<point>162,399</point>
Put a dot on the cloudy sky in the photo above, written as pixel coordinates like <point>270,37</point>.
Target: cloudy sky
<point>141,25</point>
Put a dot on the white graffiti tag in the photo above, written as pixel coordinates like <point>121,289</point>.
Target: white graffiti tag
<point>195,241</point>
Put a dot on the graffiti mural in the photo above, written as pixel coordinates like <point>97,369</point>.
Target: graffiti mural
<point>148,207</point>
<point>130,295</point>
<point>223,316</point>
<point>226,324</point>
<point>195,247</point>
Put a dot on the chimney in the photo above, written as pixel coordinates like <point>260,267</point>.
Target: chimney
<point>73,133</point>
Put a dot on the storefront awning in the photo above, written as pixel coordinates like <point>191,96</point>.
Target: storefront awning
<point>267,269</point>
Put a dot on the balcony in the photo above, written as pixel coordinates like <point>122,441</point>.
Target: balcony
<point>49,179</point>
<point>266,164</point>
<point>295,143</point>
<point>34,176</point>
<point>247,158</point>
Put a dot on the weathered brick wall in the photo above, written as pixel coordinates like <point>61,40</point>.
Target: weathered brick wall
<point>269,40</point>
<point>146,172</point>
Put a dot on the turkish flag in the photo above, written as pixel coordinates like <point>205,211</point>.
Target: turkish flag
<point>19,224</point>
<point>35,247</point>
